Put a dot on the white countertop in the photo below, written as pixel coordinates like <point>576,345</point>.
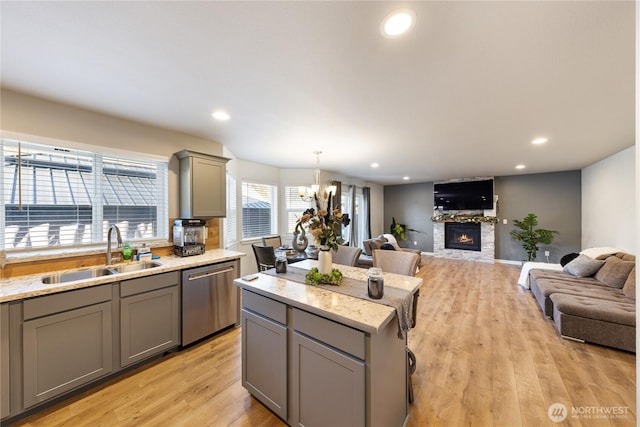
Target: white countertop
<point>21,287</point>
<point>363,314</point>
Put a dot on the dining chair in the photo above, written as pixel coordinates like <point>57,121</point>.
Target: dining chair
<point>273,241</point>
<point>405,263</point>
<point>346,255</point>
<point>398,262</point>
<point>265,257</point>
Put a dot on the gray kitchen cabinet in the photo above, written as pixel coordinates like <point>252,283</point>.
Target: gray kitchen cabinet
<point>264,351</point>
<point>328,375</point>
<point>312,370</point>
<point>4,361</point>
<point>66,342</point>
<point>203,189</point>
<point>149,316</point>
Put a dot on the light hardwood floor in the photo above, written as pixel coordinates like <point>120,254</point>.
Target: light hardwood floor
<point>486,357</point>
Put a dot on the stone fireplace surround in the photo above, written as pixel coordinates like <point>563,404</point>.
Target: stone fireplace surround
<point>486,253</point>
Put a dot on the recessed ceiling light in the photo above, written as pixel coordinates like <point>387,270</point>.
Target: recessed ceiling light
<point>539,141</point>
<point>221,115</point>
<point>374,165</point>
<point>520,166</point>
<point>405,178</point>
<point>398,23</point>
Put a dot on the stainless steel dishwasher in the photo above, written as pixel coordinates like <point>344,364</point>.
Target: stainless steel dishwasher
<point>209,300</point>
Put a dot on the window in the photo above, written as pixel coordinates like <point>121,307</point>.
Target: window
<point>345,207</point>
<point>358,227</point>
<point>55,196</point>
<point>230,222</point>
<point>360,219</point>
<point>295,206</point>
<point>259,213</point>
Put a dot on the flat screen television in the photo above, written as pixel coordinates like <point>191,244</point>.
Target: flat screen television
<point>463,195</point>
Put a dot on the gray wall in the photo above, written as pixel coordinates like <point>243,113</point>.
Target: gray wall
<point>412,205</point>
<point>554,197</point>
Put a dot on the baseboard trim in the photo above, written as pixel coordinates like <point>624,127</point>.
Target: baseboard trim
<point>566,337</point>
<point>507,261</point>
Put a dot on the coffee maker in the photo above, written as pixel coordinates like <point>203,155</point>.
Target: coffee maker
<point>189,235</point>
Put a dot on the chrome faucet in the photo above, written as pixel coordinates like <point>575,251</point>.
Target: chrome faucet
<point>118,236</point>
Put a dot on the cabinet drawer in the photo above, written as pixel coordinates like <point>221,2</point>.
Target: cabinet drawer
<point>342,337</point>
<point>265,306</point>
<point>63,301</point>
<point>149,283</point>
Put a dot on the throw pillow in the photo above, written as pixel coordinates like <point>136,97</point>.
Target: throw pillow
<point>568,258</point>
<point>388,247</point>
<point>377,243</point>
<point>629,288</point>
<point>614,272</point>
<point>367,247</point>
<point>626,257</point>
<point>583,266</point>
<point>596,252</point>
<point>391,239</point>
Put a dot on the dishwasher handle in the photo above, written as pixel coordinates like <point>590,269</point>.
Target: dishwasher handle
<point>209,274</point>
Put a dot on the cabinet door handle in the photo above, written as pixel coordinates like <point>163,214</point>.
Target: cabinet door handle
<point>209,274</point>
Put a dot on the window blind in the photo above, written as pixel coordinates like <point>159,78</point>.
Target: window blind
<point>295,207</point>
<point>55,196</point>
<point>259,211</point>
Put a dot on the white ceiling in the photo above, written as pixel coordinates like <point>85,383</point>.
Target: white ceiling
<point>461,95</point>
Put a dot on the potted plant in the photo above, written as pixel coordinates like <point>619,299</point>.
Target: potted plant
<point>529,236</point>
<point>398,230</point>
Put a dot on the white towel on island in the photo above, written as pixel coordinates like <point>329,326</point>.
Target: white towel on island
<point>528,266</point>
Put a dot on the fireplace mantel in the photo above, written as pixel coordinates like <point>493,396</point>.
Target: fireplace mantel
<point>455,217</point>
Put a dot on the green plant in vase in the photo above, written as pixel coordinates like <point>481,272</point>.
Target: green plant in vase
<point>530,236</point>
<point>398,230</point>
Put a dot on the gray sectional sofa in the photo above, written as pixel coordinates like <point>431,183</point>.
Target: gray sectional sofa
<point>591,300</point>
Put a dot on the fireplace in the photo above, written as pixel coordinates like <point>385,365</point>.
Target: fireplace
<point>464,236</point>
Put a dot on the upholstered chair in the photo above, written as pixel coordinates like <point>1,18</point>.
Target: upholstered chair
<point>399,262</point>
<point>273,241</point>
<point>346,255</point>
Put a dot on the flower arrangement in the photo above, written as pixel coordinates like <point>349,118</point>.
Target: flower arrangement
<point>325,225</point>
<point>463,218</point>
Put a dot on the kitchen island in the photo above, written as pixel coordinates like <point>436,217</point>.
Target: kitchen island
<point>315,356</point>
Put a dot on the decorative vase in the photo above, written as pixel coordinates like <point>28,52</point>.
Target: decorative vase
<point>324,260</point>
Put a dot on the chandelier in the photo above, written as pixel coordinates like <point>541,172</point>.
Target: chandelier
<point>321,192</point>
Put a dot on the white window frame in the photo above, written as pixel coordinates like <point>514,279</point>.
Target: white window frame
<point>231,220</point>
<point>94,188</point>
<point>294,207</point>
<point>274,208</point>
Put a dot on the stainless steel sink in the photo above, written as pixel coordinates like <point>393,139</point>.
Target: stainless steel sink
<point>90,273</point>
<point>70,276</point>
<point>135,266</point>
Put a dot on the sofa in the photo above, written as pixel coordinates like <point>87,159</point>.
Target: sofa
<point>366,257</point>
<point>591,299</point>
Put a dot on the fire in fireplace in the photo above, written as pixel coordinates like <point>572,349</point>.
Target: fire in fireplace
<point>465,236</point>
